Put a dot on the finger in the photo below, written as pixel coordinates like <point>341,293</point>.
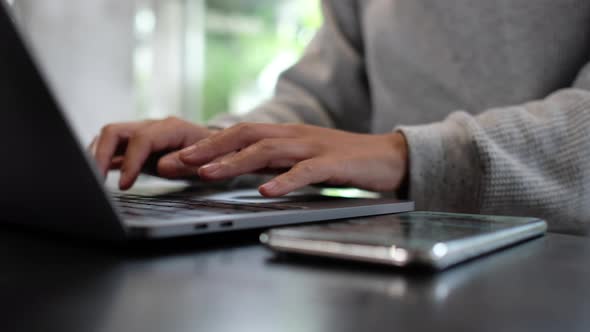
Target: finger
<point>302,174</point>
<point>282,164</point>
<point>111,136</point>
<point>162,136</point>
<point>92,147</point>
<point>159,136</point>
<point>260,155</point>
<point>170,166</point>
<point>233,139</point>
<point>116,163</point>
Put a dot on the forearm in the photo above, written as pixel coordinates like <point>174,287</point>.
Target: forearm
<point>524,160</point>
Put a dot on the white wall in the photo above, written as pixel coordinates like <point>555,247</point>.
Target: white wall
<point>86,48</point>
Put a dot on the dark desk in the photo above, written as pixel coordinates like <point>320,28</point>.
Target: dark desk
<point>56,285</point>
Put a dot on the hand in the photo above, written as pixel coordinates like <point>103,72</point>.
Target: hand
<point>311,155</point>
<point>127,146</point>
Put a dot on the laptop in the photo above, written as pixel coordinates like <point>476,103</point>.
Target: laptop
<point>50,182</point>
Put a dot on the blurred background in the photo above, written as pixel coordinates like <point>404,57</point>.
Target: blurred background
<point>117,60</point>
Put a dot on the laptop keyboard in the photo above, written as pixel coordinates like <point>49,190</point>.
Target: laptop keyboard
<point>135,206</point>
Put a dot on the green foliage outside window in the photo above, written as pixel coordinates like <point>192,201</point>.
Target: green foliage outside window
<point>236,55</point>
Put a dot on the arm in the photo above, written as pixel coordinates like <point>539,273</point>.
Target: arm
<point>328,86</point>
<point>532,159</point>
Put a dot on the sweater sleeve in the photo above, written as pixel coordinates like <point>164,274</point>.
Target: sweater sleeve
<point>531,159</point>
<point>328,85</point>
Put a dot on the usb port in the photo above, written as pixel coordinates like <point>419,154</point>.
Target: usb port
<point>200,227</point>
<point>226,224</point>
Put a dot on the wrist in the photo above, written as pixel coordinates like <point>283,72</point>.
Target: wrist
<point>399,144</point>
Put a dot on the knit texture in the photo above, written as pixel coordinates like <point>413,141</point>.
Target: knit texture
<point>492,96</point>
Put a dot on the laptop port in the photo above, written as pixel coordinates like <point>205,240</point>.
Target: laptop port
<point>200,227</point>
<point>226,224</point>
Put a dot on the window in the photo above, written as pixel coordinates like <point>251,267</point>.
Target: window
<point>197,58</point>
<point>113,60</point>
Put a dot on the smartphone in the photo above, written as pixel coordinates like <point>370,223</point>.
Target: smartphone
<point>434,239</point>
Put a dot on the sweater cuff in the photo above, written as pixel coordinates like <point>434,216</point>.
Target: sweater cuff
<point>444,167</point>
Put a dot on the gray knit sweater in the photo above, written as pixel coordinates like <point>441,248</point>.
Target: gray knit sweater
<point>493,97</point>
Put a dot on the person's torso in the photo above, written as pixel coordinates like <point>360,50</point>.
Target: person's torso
<point>427,58</point>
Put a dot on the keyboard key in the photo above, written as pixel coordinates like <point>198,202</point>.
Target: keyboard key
<point>137,206</point>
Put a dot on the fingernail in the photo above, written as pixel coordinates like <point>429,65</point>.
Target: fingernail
<point>211,169</point>
<point>188,151</point>
<point>269,187</point>
<point>193,148</point>
<point>123,183</point>
<point>93,148</point>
